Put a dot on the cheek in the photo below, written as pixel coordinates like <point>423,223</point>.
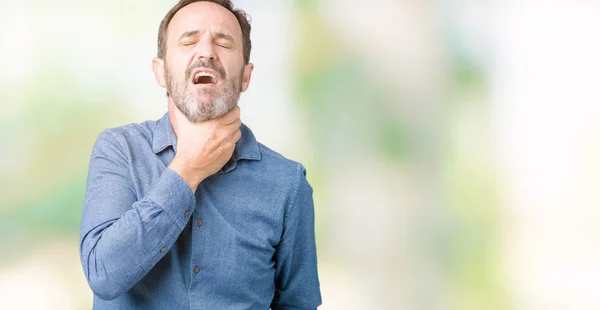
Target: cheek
<point>175,74</point>
<point>176,66</point>
<point>231,62</point>
<point>234,71</point>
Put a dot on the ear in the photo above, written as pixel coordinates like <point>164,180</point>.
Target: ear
<point>158,66</point>
<point>247,75</point>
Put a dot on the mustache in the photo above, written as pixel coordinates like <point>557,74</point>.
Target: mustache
<point>211,64</point>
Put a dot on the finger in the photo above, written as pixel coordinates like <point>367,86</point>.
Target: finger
<point>233,135</point>
<point>231,116</point>
<point>233,126</point>
<point>227,132</point>
<point>237,135</point>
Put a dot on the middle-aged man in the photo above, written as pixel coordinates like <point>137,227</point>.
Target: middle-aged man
<point>190,211</point>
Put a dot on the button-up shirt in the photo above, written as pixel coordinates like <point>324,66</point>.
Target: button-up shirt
<point>244,240</point>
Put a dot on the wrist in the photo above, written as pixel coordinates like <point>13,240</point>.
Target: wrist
<point>189,175</point>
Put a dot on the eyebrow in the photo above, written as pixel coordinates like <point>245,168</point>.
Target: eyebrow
<point>221,35</point>
<point>216,35</point>
<point>189,34</point>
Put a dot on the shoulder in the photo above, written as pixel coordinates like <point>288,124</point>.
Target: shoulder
<point>129,138</point>
<point>289,177</point>
<point>124,142</point>
<point>283,173</point>
<point>277,162</point>
<point>131,132</point>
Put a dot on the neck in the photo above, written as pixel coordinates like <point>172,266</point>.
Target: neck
<point>172,110</point>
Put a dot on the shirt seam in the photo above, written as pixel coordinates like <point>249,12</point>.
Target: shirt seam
<point>294,200</point>
<point>122,150</point>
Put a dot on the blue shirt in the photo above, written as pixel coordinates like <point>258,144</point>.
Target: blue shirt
<point>244,240</point>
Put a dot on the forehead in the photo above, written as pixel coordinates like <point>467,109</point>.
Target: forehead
<point>204,15</point>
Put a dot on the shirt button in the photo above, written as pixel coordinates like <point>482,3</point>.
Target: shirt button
<point>162,250</point>
<point>186,214</point>
<point>196,270</point>
<point>200,222</point>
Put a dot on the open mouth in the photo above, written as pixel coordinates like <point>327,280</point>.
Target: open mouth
<point>203,77</point>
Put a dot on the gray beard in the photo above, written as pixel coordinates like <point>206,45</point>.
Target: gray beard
<point>198,110</point>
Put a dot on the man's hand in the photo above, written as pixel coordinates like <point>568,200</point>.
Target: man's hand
<point>203,148</point>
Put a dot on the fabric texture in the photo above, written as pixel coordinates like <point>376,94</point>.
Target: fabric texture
<point>244,240</point>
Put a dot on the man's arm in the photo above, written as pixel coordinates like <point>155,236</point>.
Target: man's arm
<point>123,237</point>
<point>296,277</point>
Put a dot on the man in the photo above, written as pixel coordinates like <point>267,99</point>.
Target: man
<point>190,212</point>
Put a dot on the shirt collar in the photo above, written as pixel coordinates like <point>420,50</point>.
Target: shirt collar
<point>164,136</point>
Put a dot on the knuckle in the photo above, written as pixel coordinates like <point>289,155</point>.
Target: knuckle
<point>211,147</point>
<point>223,137</point>
<point>226,146</point>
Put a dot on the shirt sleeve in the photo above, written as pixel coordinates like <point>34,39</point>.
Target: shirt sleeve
<point>123,237</point>
<point>296,276</point>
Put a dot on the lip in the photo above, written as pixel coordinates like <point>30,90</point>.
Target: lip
<point>208,70</point>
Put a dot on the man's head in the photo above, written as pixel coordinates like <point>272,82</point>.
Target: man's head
<point>203,57</point>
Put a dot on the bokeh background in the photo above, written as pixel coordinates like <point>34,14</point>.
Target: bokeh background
<point>454,146</point>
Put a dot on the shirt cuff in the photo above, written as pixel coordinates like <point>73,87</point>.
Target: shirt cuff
<point>174,195</point>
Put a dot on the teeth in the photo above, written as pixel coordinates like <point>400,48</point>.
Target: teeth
<point>202,73</point>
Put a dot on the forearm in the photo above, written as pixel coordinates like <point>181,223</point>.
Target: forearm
<point>118,253</point>
<point>190,174</point>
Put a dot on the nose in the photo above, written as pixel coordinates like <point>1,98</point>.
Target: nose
<point>205,49</point>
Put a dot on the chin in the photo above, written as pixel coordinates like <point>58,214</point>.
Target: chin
<point>204,108</point>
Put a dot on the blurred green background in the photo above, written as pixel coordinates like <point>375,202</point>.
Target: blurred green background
<point>453,146</point>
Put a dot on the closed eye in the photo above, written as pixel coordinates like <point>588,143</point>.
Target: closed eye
<point>224,45</point>
<point>223,40</point>
<point>188,43</point>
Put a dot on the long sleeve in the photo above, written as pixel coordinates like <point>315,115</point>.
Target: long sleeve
<point>123,236</point>
<point>296,276</point>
